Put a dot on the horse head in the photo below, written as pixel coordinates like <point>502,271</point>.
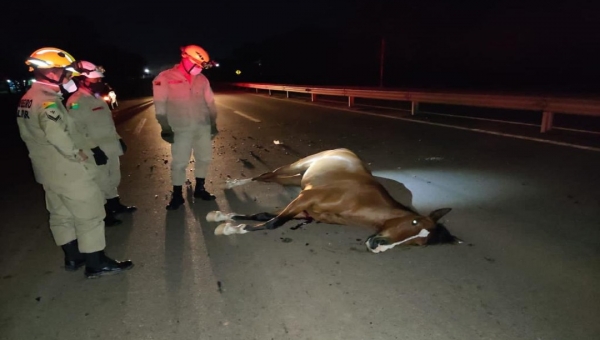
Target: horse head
<point>411,229</point>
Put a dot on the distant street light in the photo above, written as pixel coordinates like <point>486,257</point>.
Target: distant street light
<point>238,72</point>
<point>147,71</point>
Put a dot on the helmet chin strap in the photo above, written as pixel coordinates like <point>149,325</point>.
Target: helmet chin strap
<point>191,68</point>
<point>56,82</point>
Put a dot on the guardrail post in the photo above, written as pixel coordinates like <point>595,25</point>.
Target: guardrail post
<point>547,119</point>
<point>313,97</point>
<point>287,94</point>
<point>269,92</point>
<point>414,108</point>
<point>350,101</point>
<point>256,90</point>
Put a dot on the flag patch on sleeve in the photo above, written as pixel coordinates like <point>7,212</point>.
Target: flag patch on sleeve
<point>48,105</point>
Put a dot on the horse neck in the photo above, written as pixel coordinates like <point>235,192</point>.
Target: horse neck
<point>401,211</point>
<point>381,215</point>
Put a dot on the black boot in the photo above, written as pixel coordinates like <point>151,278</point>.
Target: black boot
<point>73,258</point>
<point>176,199</point>
<point>98,264</point>
<point>200,192</point>
<point>110,220</point>
<point>115,206</point>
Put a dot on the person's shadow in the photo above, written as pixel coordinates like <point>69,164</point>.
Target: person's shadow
<point>200,209</point>
<point>175,232</point>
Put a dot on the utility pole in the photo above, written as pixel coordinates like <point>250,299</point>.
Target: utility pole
<point>381,62</point>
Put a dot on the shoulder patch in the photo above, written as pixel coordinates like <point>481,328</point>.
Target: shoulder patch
<point>52,114</point>
<point>48,105</point>
<point>74,106</point>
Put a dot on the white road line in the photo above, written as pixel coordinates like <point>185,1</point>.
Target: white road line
<point>541,140</point>
<point>246,116</point>
<point>139,127</point>
<point>239,113</point>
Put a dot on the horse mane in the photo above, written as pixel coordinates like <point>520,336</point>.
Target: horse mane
<point>441,235</point>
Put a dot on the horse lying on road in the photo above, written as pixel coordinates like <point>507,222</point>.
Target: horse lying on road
<point>337,187</point>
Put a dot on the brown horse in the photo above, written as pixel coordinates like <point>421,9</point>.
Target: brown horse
<point>338,188</point>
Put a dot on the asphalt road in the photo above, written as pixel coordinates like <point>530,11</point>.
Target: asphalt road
<point>527,210</point>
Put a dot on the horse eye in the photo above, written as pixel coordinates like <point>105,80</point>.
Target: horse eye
<point>415,222</point>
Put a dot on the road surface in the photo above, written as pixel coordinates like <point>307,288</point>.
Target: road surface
<point>529,267</point>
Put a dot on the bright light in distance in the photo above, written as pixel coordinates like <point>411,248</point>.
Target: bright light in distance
<point>8,81</point>
<point>146,70</point>
<point>217,65</point>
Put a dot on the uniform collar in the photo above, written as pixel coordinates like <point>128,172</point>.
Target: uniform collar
<point>46,88</point>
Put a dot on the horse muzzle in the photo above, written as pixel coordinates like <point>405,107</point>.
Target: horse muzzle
<point>375,241</point>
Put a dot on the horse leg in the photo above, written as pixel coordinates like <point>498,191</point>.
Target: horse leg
<point>295,210</point>
<point>287,175</point>
<point>268,177</point>
<point>218,216</point>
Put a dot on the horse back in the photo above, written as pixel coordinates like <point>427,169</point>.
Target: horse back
<point>330,166</point>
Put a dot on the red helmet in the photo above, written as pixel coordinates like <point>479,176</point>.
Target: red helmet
<point>197,55</point>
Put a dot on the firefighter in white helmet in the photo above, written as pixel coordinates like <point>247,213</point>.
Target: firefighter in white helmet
<point>63,167</point>
<point>94,119</point>
<point>186,111</point>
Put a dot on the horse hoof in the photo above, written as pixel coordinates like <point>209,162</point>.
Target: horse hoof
<point>217,216</point>
<point>228,229</point>
<point>220,230</point>
<point>214,216</point>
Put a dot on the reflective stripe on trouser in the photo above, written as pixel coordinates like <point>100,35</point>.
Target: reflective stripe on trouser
<point>108,177</point>
<point>184,142</point>
<point>77,213</point>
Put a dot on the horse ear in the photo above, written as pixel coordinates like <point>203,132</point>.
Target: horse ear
<point>439,213</point>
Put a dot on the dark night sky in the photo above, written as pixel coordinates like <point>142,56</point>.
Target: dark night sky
<point>157,29</point>
<point>464,35</point>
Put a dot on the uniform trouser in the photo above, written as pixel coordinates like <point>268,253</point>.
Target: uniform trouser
<point>198,141</point>
<point>109,176</point>
<point>77,213</point>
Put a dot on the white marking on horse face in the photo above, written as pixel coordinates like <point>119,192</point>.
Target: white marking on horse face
<point>382,248</point>
<point>230,229</point>
<point>230,183</point>
<point>218,216</point>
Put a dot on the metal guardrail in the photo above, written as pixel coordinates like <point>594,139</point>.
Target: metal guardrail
<point>548,105</point>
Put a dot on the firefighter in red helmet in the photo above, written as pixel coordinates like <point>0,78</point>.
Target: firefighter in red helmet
<point>186,111</point>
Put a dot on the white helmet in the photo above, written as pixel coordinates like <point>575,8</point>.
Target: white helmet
<point>89,70</point>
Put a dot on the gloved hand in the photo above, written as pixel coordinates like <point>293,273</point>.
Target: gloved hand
<point>213,131</point>
<point>123,145</point>
<point>82,156</point>
<point>99,156</point>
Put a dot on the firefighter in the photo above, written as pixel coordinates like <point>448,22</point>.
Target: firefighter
<point>187,113</point>
<point>94,119</point>
<point>64,168</point>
